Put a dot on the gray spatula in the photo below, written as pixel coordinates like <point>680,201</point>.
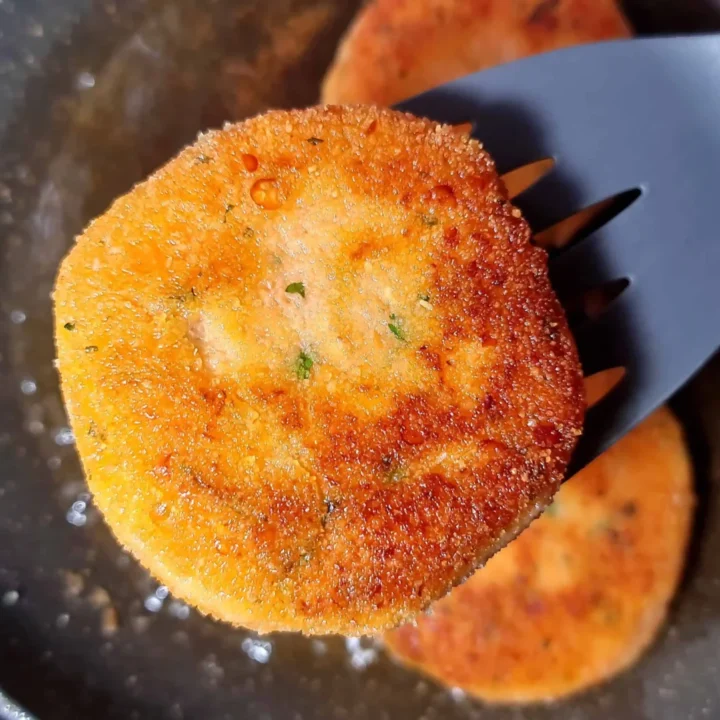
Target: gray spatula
<point>633,120</point>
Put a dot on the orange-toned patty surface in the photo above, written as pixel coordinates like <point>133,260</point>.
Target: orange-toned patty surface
<point>581,593</point>
<point>398,48</point>
<point>316,370</point>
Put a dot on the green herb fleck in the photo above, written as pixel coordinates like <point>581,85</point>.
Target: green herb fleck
<point>202,159</point>
<point>228,209</point>
<point>69,326</point>
<point>248,233</point>
<point>93,432</point>
<point>425,297</point>
<point>298,288</point>
<point>603,527</point>
<point>395,329</point>
<point>429,220</point>
<point>612,615</point>
<point>330,507</point>
<point>303,366</point>
<point>396,475</point>
<point>315,140</point>
<point>91,348</point>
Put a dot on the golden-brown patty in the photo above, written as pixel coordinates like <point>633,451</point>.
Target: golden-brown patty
<point>581,593</point>
<point>398,48</point>
<point>316,370</point>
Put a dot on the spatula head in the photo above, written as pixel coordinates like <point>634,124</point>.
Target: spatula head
<point>621,116</point>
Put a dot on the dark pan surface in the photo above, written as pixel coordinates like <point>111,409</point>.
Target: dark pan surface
<point>93,96</point>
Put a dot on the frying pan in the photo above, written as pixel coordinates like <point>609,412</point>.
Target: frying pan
<point>94,95</point>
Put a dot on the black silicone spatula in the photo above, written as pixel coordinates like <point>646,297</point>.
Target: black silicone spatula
<point>635,123</point>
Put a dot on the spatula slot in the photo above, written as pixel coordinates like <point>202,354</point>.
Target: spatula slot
<point>596,300</point>
<point>575,228</point>
<point>603,342</point>
<point>602,383</point>
<point>518,180</point>
<point>465,128</point>
<point>590,304</point>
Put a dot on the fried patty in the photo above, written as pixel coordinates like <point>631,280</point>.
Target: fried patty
<point>398,48</point>
<point>580,595</point>
<point>316,370</point>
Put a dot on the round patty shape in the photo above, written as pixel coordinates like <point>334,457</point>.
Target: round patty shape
<point>583,591</point>
<point>316,370</point>
<point>398,48</point>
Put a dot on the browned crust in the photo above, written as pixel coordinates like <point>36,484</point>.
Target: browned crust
<point>580,595</point>
<point>398,48</point>
<point>269,502</point>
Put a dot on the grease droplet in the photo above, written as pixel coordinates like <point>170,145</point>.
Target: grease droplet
<point>250,162</point>
<point>266,194</point>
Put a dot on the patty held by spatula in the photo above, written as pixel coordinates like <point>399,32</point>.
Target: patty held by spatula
<point>316,370</point>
